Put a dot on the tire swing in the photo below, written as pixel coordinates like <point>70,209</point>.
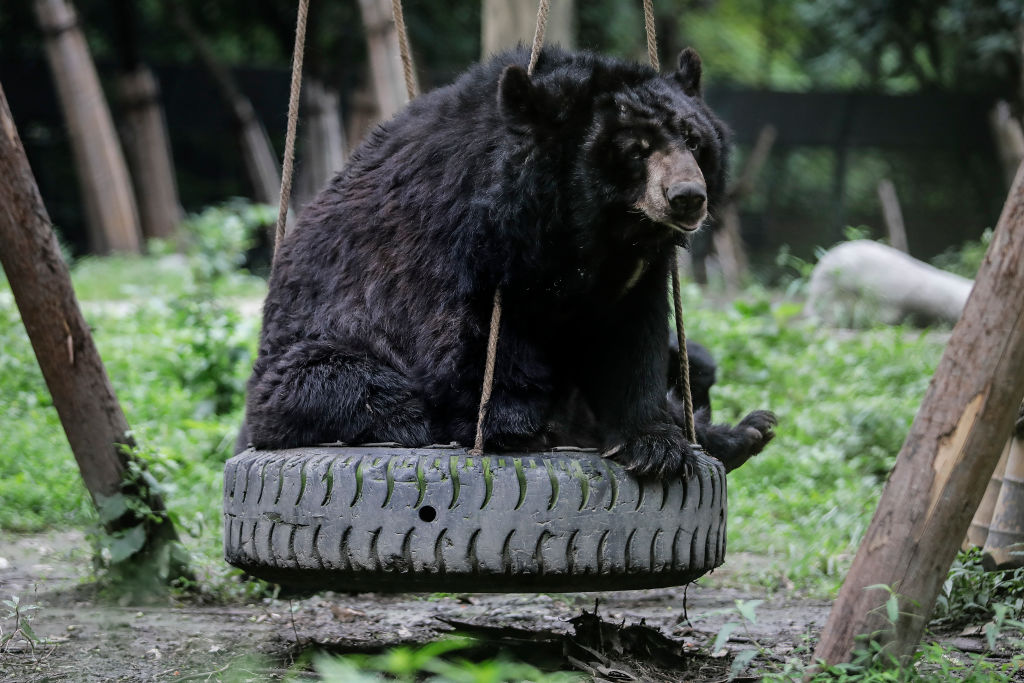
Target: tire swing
<point>379,517</point>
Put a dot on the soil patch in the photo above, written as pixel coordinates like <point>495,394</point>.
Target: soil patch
<point>634,635</point>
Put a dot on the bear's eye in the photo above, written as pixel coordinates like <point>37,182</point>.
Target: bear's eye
<point>645,144</point>
<point>692,143</point>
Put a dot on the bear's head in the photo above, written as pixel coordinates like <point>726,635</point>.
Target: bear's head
<point>629,139</point>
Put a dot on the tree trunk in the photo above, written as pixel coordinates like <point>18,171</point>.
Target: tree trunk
<point>323,139</point>
<point>110,212</point>
<point>96,427</point>
<point>946,462</point>
<point>385,60</point>
<point>148,148</point>
<point>893,216</point>
<point>257,151</point>
<point>505,23</point>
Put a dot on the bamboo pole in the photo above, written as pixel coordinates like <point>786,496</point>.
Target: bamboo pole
<point>946,462</point>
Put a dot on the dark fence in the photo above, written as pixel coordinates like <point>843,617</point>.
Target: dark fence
<point>831,151</point>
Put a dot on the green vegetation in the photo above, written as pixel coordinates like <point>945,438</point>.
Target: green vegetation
<point>179,351</point>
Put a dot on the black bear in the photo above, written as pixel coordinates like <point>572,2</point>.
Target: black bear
<point>568,189</point>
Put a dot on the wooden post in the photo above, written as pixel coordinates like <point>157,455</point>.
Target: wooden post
<point>111,215</point>
<point>977,533</point>
<point>727,239</point>
<point>1004,545</point>
<point>893,216</point>
<point>149,152</point>
<point>385,60</point>
<point>257,151</point>
<point>1009,138</point>
<point>323,139</point>
<point>504,23</point>
<point>82,394</point>
<point>945,463</point>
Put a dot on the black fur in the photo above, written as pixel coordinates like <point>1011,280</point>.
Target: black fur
<point>732,445</point>
<point>376,321</point>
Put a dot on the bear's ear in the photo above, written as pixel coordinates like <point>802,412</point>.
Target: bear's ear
<point>519,99</point>
<point>689,72</point>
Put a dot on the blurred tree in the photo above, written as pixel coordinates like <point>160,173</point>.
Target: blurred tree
<point>918,44</point>
<point>144,131</point>
<point>112,217</point>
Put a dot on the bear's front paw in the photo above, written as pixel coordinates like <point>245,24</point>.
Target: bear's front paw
<point>760,429</point>
<point>661,450</point>
<point>514,423</point>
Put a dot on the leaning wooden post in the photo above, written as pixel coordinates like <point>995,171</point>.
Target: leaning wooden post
<point>110,211</point>
<point>82,394</point>
<point>945,463</point>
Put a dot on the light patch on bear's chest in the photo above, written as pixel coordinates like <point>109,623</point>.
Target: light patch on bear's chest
<point>638,272</point>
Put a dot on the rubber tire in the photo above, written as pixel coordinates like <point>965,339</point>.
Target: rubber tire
<point>384,518</point>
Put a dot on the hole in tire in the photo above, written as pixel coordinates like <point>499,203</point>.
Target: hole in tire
<point>428,513</point>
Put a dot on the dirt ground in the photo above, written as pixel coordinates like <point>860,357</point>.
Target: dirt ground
<point>86,639</point>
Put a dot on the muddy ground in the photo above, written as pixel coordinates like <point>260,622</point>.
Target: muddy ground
<point>85,638</point>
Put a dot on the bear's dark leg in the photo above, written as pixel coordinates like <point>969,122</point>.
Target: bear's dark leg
<point>325,391</point>
<point>733,446</point>
<point>520,396</point>
<point>622,373</point>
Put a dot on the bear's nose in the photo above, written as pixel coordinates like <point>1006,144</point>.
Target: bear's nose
<point>686,198</point>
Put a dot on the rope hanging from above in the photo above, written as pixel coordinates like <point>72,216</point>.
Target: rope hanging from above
<point>403,49</point>
<point>677,293</point>
<point>288,166</point>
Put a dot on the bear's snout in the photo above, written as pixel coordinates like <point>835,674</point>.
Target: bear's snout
<point>686,200</point>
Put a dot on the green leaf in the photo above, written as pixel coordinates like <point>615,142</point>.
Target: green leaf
<point>892,608</point>
<point>26,628</point>
<point>126,543</point>
<point>740,662</point>
<point>748,609</point>
<point>723,635</point>
<point>111,507</point>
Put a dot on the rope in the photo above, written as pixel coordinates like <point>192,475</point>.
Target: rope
<point>293,120</point>
<point>492,354</point>
<point>538,36</point>
<point>683,384</point>
<point>403,49</point>
<point>684,361</point>
<point>652,38</point>
<point>492,338</point>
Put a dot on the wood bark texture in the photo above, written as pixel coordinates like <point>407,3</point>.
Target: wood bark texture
<point>505,23</point>
<point>110,211</point>
<point>946,461</point>
<point>148,148</point>
<point>82,394</point>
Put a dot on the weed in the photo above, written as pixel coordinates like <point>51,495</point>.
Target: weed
<point>20,614</point>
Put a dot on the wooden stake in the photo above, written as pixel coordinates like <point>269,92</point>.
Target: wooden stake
<point>149,152</point>
<point>82,394</point>
<point>893,216</point>
<point>385,60</point>
<point>1004,545</point>
<point>111,215</point>
<point>946,461</point>
<point>977,533</point>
